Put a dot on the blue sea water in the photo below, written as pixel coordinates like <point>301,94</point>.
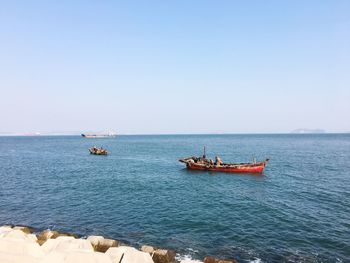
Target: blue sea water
<point>298,211</point>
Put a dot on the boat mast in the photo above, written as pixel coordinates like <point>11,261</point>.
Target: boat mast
<point>204,153</point>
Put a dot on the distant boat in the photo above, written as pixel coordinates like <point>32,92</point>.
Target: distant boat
<point>308,131</point>
<point>93,136</point>
<point>98,151</point>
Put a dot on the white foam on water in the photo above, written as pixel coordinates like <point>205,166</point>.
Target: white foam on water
<point>187,256</point>
<point>179,257</point>
<point>256,260</point>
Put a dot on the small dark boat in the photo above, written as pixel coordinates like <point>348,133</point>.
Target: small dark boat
<point>98,151</point>
<point>203,164</point>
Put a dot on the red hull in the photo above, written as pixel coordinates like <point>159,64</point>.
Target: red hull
<point>228,168</point>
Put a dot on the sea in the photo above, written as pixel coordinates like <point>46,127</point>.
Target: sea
<point>297,211</point>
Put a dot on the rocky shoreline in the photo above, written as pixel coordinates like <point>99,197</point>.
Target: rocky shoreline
<point>21,244</point>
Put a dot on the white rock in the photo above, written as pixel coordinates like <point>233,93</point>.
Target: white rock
<point>14,258</point>
<point>66,244</point>
<point>32,237</point>
<point>148,249</point>
<point>106,243</point>
<point>116,253</point>
<point>6,226</point>
<point>95,240</point>
<point>102,244</point>
<point>20,247</point>
<point>87,257</point>
<point>47,234</point>
<point>24,229</point>
<point>65,238</point>
<point>18,234</point>
<point>76,257</point>
<point>54,257</point>
<point>135,256</point>
<point>4,230</point>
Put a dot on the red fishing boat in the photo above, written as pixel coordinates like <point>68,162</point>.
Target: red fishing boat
<point>203,164</point>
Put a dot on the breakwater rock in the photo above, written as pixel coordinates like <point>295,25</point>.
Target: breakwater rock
<point>20,245</point>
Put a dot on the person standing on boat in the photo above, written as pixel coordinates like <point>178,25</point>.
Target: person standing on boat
<point>218,161</point>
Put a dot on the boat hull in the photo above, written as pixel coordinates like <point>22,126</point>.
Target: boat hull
<point>98,136</point>
<point>98,152</point>
<point>105,153</point>
<point>256,168</point>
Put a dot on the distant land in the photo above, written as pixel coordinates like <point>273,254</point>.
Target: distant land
<point>308,131</point>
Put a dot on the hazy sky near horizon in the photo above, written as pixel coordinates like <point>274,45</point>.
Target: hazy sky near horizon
<point>174,66</point>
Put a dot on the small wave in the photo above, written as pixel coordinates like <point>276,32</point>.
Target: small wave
<point>187,256</point>
<point>256,260</point>
<point>180,257</point>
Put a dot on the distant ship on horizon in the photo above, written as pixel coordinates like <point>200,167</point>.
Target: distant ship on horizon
<point>301,131</point>
<point>99,135</point>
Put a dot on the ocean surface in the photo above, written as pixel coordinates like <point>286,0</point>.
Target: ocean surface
<point>298,211</point>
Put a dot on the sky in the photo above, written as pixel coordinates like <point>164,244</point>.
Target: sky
<point>167,67</point>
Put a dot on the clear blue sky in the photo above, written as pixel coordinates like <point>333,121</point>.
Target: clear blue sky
<point>174,66</point>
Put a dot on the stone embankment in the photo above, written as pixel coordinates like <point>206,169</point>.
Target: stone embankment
<point>19,245</point>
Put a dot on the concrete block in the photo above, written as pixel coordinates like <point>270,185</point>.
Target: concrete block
<point>66,244</point>
<point>116,253</point>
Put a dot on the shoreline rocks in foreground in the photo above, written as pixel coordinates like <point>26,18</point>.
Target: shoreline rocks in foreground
<point>18,244</point>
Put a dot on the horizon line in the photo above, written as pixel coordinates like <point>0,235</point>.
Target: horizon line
<point>167,134</point>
